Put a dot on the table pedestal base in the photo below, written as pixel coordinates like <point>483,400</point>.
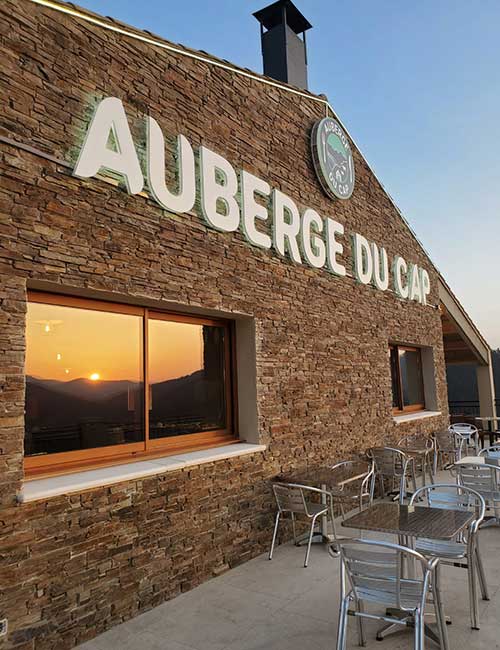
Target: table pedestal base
<point>408,619</point>
<point>489,521</point>
<point>318,538</point>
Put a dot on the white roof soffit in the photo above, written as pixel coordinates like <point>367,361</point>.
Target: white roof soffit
<point>463,322</point>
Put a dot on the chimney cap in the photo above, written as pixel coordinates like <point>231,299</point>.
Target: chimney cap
<point>272,15</point>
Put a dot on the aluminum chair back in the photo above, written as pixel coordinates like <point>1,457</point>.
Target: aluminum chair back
<point>446,444</point>
<point>374,571</point>
<point>446,441</point>
<point>467,434</point>
<point>359,489</point>
<point>493,451</point>
<point>425,463</point>
<point>395,464</point>
<point>389,461</point>
<point>417,441</point>
<point>451,496</point>
<point>464,428</point>
<point>485,479</point>
<point>291,497</point>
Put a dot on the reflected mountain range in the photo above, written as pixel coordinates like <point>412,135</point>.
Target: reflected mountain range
<point>51,403</point>
<point>84,388</point>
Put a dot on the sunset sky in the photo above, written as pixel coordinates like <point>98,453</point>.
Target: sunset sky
<point>96,345</point>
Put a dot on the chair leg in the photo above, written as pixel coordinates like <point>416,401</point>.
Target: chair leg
<point>342,511</point>
<point>419,632</point>
<point>372,490</point>
<point>473,602</point>
<point>382,487</point>
<point>402,489</point>
<point>275,533</point>
<point>430,467</point>
<point>342,629</point>
<point>311,532</point>
<point>332,517</point>
<point>438,607</point>
<point>414,478</point>
<point>293,529</point>
<point>361,632</point>
<point>481,575</point>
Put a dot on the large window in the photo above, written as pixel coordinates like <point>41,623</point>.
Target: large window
<point>107,381</point>
<point>407,379</point>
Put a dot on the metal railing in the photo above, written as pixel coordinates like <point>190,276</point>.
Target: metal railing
<point>467,407</point>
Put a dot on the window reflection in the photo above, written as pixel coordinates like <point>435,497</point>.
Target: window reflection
<point>395,378</point>
<point>411,377</point>
<point>84,379</point>
<point>187,378</point>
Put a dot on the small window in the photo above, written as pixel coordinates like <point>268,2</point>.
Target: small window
<point>407,379</point>
<point>107,381</point>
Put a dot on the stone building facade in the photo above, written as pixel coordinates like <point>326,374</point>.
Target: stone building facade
<point>74,564</point>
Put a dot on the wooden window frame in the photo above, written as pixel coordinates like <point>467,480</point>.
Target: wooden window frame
<point>401,408</point>
<point>70,461</point>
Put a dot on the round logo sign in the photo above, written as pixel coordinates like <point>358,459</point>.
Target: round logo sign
<point>332,158</point>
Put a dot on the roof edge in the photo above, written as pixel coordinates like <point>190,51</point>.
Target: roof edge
<point>117,26</point>
<point>467,322</point>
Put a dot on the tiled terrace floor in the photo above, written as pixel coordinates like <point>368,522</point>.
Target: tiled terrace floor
<point>279,605</point>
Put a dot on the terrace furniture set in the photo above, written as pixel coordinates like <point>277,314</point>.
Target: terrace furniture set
<point>435,525</point>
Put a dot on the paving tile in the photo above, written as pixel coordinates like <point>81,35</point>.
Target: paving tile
<point>90,645</point>
<point>123,639</point>
<point>288,631</point>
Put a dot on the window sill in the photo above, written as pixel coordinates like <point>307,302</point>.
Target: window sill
<point>44,488</point>
<point>417,415</point>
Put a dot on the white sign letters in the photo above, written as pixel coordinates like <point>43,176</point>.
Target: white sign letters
<point>267,217</point>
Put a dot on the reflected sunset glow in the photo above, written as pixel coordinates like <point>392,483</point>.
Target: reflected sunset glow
<point>104,346</point>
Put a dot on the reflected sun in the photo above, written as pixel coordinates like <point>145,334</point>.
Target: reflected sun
<point>95,376</point>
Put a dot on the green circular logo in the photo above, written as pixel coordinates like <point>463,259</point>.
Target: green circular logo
<point>332,158</point>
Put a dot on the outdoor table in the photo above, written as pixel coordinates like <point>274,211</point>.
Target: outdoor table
<point>493,459</point>
<point>410,522</point>
<point>466,460</point>
<point>325,478</point>
<point>492,424</point>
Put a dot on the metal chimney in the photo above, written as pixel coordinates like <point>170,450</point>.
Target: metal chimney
<point>283,51</point>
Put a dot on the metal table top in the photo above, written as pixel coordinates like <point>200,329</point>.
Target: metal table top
<point>318,476</point>
<point>434,523</point>
<point>466,460</point>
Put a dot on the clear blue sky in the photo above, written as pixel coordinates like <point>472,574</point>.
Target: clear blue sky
<point>418,86</point>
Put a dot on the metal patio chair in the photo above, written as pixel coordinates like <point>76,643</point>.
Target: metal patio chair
<point>298,500</point>
<point>372,572</point>
<point>350,494</point>
<point>446,449</point>
<point>424,462</point>
<point>493,451</point>
<point>357,492</point>
<point>468,436</point>
<point>462,552</point>
<point>484,479</point>
<point>395,465</point>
